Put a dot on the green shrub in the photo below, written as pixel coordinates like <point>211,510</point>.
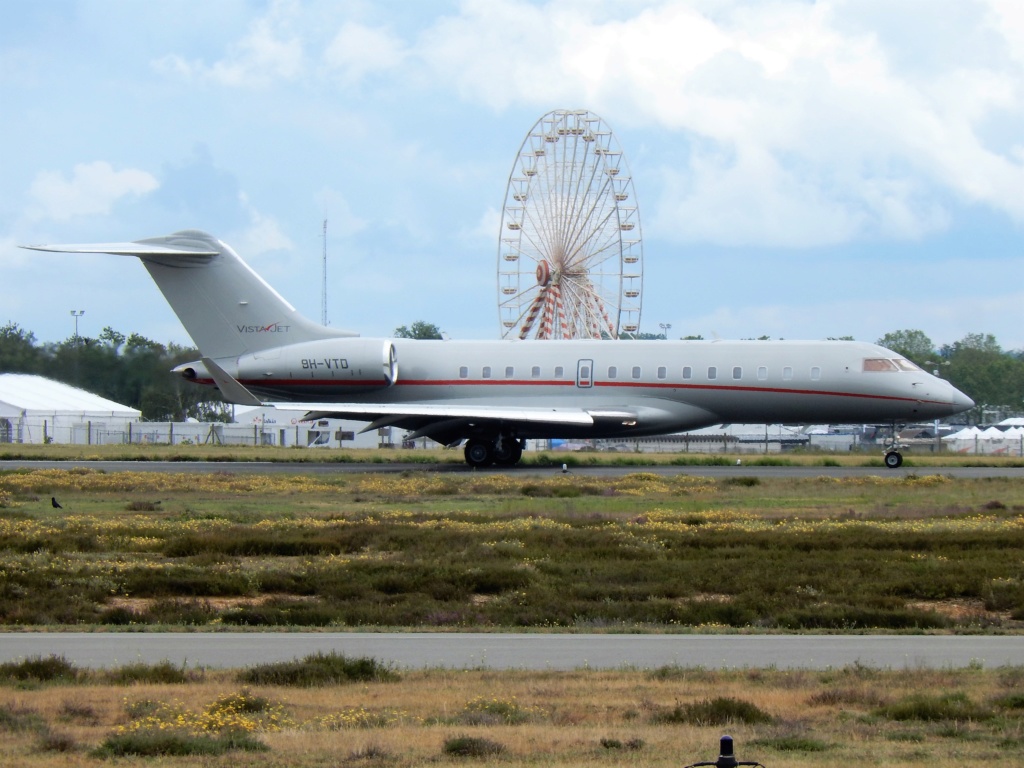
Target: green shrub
<point>954,707</point>
<point>718,711</point>
<point>792,744</point>
<point>16,719</point>
<point>38,669</point>
<point>631,744</point>
<point>471,746</point>
<point>75,711</point>
<point>55,741</point>
<point>746,481</point>
<point>319,669</point>
<point>1012,701</point>
<point>171,743</point>
<point>161,673</point>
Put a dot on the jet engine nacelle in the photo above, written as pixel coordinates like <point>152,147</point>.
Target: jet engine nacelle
<point>358,364</point>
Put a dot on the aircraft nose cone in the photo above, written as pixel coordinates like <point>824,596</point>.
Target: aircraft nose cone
<point>961,402</point>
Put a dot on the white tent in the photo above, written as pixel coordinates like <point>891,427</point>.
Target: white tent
<point>967,433</point>
<point>34,409</point>
<point>991,441</point>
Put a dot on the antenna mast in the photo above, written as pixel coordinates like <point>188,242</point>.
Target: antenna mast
<point>323,296</point>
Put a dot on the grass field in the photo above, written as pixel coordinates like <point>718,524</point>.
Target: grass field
<point>869,457</point>
<point>669,716</point>
<point>417,549</point>
<point>209,552</point>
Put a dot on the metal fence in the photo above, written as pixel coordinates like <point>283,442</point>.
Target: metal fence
<point>304,434</point>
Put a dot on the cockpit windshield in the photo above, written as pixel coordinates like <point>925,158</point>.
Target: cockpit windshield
<point>905,365</point>
<point>883,364</point>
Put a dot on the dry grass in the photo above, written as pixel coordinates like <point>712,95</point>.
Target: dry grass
<point>824,719</point>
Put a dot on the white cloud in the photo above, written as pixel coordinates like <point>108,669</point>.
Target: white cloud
<point>263,235</point>
<point>806,123</point>
<point>92,190</point>
<point>486,229</point>
<point>342,220</point>
<point>358,50</point>
<point>270,52</point>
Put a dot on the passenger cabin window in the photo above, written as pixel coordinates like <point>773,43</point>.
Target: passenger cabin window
<point>662,372</point>
<point>762,373</point>
<point>687,372</point>
<point>510,372</point>
<point>815,373</point>
<point>463,372</point>
<point>636,371</point>
<point>612,371</point>
<point>535,372</point>
<point>712,372</point>
<point>737,373</point>
<point>559,372</point>
<point>787,373</point>
<point>486,372</point>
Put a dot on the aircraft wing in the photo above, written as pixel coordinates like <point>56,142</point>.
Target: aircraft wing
<point>447,422</point>
<point>418,415</point>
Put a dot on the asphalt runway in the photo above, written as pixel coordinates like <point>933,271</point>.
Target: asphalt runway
<point>417,650</point>
<point>745,470</point>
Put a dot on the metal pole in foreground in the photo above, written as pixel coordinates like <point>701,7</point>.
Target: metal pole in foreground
<point>726,757</point>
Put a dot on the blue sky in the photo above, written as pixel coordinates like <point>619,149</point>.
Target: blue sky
<point>802,169</point>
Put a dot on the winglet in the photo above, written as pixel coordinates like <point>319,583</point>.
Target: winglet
<point>229,387</point>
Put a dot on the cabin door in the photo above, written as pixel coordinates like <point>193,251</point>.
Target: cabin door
<point>585,374</point>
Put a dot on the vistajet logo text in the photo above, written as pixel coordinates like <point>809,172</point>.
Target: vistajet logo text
<point>272,328</point>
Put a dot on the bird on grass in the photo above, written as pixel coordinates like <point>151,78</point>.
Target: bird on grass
<point>55,504</point>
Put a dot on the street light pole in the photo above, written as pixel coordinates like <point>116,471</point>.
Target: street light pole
<point>665,328</point>
<point>77,313</point>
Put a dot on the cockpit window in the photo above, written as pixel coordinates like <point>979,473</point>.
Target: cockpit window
<point>905,365</point>
<point>874,364</point>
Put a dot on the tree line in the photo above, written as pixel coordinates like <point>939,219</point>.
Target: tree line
<point>135,371</point>
<point>131,370</point>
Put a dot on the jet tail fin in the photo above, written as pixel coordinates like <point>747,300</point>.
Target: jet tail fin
<point>227,308</point>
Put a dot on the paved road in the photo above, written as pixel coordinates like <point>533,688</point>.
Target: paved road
<point>524,651</point>
<point>331,467</point>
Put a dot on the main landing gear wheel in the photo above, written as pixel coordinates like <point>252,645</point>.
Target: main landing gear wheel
<point>894,459</point>
<point>508,452</point>
<point>479,453</point>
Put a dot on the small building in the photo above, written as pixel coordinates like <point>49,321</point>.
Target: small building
<point>289,428</point>
<point>34,409</point>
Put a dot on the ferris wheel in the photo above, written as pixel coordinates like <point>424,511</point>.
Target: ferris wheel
<point>570,261</point>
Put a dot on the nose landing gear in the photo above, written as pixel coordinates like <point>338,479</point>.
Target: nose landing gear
<point>893,457</point>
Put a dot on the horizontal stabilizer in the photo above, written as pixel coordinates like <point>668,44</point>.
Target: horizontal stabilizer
<point>233,391</point>
<point>124,249</point>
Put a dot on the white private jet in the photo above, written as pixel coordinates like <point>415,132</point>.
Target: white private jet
<point>257,349</point>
